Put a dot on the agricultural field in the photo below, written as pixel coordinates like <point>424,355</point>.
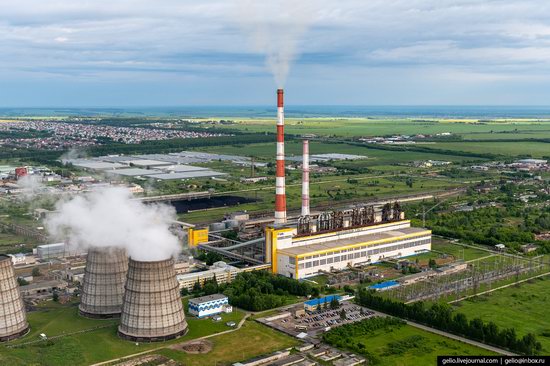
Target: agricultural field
<point>456,250</point>
<point>512,149</point>
<point>523,307</point>
<point>347,127</point>
<point>95,341</point>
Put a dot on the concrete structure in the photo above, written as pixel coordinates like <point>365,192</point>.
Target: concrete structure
<point>57,250</point>
<point>103,283</point>
<point>151,309</point>
<point>13,320</point>
<point>300,256</point>
<point>209,305</point>
<point>305,179</point>
<point>280,195</point>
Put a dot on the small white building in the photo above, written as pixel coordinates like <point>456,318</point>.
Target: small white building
<point>209,305</point>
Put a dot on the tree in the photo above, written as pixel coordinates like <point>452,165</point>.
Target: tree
<point>343,314</point>
<point>197,287</point>
<point>55,296</point>
<point>184,291</point>
<point>334,304</point>
<point>21,281</point>
<point>432,263</point>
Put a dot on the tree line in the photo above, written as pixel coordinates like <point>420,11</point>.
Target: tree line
<point>257,291</point>
<point>442,316</point>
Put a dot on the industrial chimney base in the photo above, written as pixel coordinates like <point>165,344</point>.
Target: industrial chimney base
<point>152,339</point>
<point>15,335</point>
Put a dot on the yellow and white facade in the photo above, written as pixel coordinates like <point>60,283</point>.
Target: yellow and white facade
<point>304,256</point>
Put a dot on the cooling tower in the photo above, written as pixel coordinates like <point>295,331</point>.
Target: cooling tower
<point>152,309</point>
<point>103,284</point>
<point>13,320</point>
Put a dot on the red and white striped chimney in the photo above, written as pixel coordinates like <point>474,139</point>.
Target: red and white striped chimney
<point>305,179</point>
<point>280,195</point>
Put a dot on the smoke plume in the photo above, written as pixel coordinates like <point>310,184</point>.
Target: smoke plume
<point>111,218</point>
<point>275,29</point>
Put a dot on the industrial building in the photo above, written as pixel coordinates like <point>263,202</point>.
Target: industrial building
<point>300,256</point>
<point>151,308</point>
<point>57,250</point>
<point>103,283</point>
<point>209,305</point>
<point>315,304</point>
<point>13,320</point>
<point>221,271</point>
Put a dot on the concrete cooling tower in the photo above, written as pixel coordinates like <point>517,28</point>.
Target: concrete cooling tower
<point>152,309</point>
<point>103,284</point>
<point>13,320</point>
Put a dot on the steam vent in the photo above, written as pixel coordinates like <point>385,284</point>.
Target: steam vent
<point>13,320</point>
<point>152,309</point>
<point>103,284</point>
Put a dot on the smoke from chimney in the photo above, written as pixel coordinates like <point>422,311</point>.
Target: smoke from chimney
<point>280,195</point>
<point>305,179</point>
<point>110,217</point>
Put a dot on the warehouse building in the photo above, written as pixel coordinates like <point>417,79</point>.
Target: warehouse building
<point>301,256</point>
<point>209,305</point>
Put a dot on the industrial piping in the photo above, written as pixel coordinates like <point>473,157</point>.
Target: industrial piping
<point>305,179</point>
<point>280,195</point>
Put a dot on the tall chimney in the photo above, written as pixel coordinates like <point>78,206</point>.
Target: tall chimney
<point>280,195</point>
<point>305,179</point>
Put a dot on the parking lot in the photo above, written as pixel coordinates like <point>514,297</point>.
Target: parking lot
<point>318,321</point>
<point>329,318</point>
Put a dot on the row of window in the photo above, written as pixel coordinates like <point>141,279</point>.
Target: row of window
<point>363,247</point>
<point>358,254</point>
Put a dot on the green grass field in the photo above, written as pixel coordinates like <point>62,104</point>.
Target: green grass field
<point>251,340</point>
<point>92,345</point>
<point>409,346</point>
<point>456,250</point>
<point>534,149</point>
<point>380,127</point>
<point>524,308</point>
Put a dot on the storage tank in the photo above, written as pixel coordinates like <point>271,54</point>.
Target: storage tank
<point>103,283</point>
<point>151,309</point>
<point>13,320</point>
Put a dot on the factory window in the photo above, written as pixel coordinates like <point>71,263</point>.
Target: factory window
<point>330,260</point>
<point>343,258</point>
<point>315,263</point>
<point>322,255</point>
<point>291,260</point>
<point>350,256</point>
<point>363,254</point>
<point>308,257</point>
<point>322,262</point>
<point>300,266</point>
<point>308,265</point>
<point>357,255</point>
<point>315,256</point>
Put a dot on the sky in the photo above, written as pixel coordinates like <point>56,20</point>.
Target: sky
<point>220,52</point>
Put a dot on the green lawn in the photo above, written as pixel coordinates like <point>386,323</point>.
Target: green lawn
<point>458,251</point>
<point>251,340</point>
<point>409,346</point>
<point>525,308</point>
<point>535,149</point>
<point>93,345</point>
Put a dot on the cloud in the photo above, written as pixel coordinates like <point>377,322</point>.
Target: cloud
<point>200,42</point>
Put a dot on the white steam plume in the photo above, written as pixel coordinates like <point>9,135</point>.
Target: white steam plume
<point>111,218</point>
<point>275,29</point>
<point>31,186</point>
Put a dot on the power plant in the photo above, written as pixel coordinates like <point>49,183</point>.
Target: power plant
<point>151,309</point>
<point>13,319</point>
<point>103,283</point>
<point>327,241</point>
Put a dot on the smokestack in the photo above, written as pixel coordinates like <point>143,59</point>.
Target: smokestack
<point>151,309</point>
<point>305,179</point>
<point>280,195</point>
<point>13,320</point>
<point>103,284</point>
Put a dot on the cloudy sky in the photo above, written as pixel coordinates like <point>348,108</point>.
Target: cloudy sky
<point>213,52</point>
